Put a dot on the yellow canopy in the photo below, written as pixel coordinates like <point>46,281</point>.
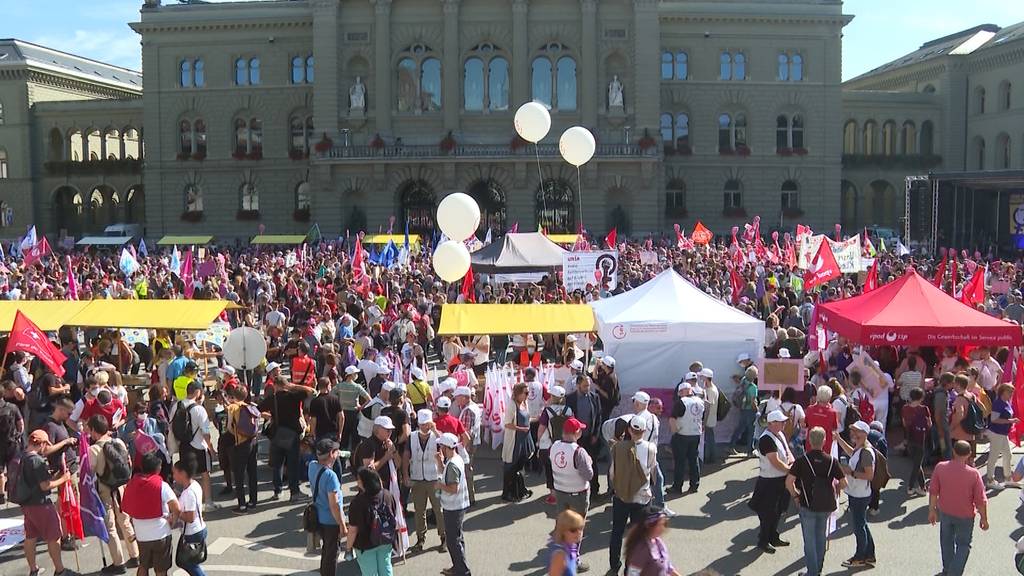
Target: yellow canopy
<point>166,314</point>
<point>562,238</point>
<point>516,319</point>
<point>398,239</point>
<point>289,239</point>
<point>183,240</point>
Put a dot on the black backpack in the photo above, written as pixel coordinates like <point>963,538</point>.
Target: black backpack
<point>118,470</point>
<point>852,414</point>
<point>383,525</point>
<point>556,422</point>
<point>724,405</point>
<point>18,490</point>
<point>181,424</point>
<point>974,418</point>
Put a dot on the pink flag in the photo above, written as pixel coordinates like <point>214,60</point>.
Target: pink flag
<point>187,276</point>
<point>72,283</point>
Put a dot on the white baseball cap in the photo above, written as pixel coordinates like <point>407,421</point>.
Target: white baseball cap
<point>272,366</point>
<point>638,423</point>
<point>690,376</point>
<point>685,386</point>
<point>861,425</point>
<point>350,370</point>
<point>464,391</point>
<point>448,440</point>
<point>387,386</point>
<point>424,416</point>
<point>448,384</point>
<point>642,397</point>
<point>570,338</point>
<point>608,361</point>
<point>444,402</point>
<point>777,416</point>
<point>707,373</point>
<point>228,370</point>
<point>576,365</point>
<point>744,357</point>
<point>557,391</point>
<point>384,422</point>
<point>417,373</point>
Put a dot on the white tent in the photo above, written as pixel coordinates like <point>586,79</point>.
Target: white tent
<point>656,331</point>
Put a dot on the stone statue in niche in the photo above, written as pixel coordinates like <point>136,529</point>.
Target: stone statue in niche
<point>615,93</point>
<point>357,96</point>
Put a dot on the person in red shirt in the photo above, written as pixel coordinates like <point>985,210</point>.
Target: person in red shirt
<point>303,368</point>
<point>445,422</point>
<point>822,414</point>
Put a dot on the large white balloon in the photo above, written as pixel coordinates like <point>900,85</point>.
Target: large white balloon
<point>533,121</point>
<point>451,260</point>
<point>577,145</point>
<point>458,216</point>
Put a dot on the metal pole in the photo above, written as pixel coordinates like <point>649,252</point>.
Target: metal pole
<point>906,210</point>
<point>974,204</point>
<point>935,215</point>
<point>999,203</point>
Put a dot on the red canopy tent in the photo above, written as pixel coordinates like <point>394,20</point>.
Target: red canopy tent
<point>912,312</point>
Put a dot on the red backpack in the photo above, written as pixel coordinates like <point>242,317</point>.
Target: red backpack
<point>866,409</point>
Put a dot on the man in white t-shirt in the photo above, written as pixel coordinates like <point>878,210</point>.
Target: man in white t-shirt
<point>711,395</point>
<point>152,523</point>
<point>191,505</point>
<point>199,445</point>
<point>989,370</point>
<point>687,426</point>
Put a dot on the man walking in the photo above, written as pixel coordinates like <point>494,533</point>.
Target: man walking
<point>957,491</point>
<point>632,469</point>
<point>586,407</point>
<point>190,424</point>
<point>815,482</point>
<point>42,522</point>
<point>422,474</point>
<point>687,426</point>
<point>571,470</point>
<point>454,502</point>
<point>110,462</point>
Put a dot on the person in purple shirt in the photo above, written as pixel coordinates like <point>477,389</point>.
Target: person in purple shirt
<point>998,436</point>
<point>646,553</point>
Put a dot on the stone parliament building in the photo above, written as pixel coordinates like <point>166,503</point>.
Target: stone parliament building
<point>356,114</point>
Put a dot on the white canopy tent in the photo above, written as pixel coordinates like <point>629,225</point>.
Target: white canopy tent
<point>656,331</point>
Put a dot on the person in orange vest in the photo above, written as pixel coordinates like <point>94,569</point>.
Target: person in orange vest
<point>303,368</point>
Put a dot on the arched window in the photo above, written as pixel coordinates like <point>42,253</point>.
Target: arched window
<point>135,205</point>
<point>301,130</point>
<point>185,138</point>
<point>254,71</point>
<point>497,83</point>
<point>979,100</point>
<point>249,197</point>
<point>309,69</point>
<point>133,145</point>
<point>542,88</point>
<point>979,153</point>
<point>682,131</point>
<point>112,144</point>
<point>790,196</point>
<point>554,78</point>
<point>927,137</point>
<point>418,203</point>
<point>1004,151</point>
<point>724,132</point>
<point>199,73</point>
<point>419,80</point>
<point>739,132</point>
<point>241,72</point>
<point>302,70</point>
<point>796,68</point>
<point>256,136</point>
<point>473,84</point>
<point>667,65</point>
<point>674,66</point>
<point>1005,95</point>
<point>675,198</point>
<point>781,132</point>
<point>870,136</point>
<point>909,138</point>
<point>199,138</point>
<point>186,73</point>
<point>739,66</point>
<point>3,164</point>
<point>682,66</point>
<point>566,87</point>
<point>665,125</point>
<point>784,67</point>
<point>95,206</point>
<point>725,68</point>
<point>889,138</point>
<point>732,133</point>
<point>303,196</point>
<point>850,137</point>
<point>193,196</point>
<point>490,196</point>
<point>485,79</point>
<point>555,207</point>
<point>796,135</point>
<point>732,195</point>
<point>248,138</point>
<point>241,136</point>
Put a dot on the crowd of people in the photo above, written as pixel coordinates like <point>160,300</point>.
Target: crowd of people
<point>345,395</point>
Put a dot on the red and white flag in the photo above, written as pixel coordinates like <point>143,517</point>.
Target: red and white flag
<point>37,252</point>
<point>701,235</point>
<point>823,268</point>
<point>611,237</point>
<point>871,281</point>
<point>27,337</point>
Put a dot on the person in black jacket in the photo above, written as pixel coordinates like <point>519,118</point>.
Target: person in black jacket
<point>586,405</point>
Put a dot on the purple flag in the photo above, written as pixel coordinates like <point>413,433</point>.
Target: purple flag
<point>92,509</point>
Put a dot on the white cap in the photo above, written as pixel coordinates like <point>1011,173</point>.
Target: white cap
<point>228,370</point>
<point>350,370</point>
<point>576,365</point>
<point>449,440</point>
<point>685,386</point>
<point>744,357</point>
<point>861,425</point>
<point>384,422</point>
<point>690,376</point>
<point>424,416</point>
<point>707,373</point>
<point>570,338</point>
<point>642,397</point>
<point>557,391</point>
<point>444,402</point>
<point>387,386</point>
<point>417,373</point>
<point>464,391</point>
<point>272,366</point>
<point>608,361</point>
<point>448,384</point>
<point>638,423</point>
<point>400,387</point>
<point>777,416</point>
<point>784,353</point>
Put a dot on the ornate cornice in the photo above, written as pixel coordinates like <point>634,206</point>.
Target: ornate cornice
<point>898,81</point>
<point>997,59</point>
<point>222,26</point>
<point>66,83</point>
<point>753,19</point>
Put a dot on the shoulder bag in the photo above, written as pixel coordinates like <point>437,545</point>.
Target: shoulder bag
<point>310,521</point>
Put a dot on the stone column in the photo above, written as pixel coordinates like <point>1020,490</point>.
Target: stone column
<point>590,92</point>
<point>451,102</point>
<point>646,41</point>
<point>383,72</point>
<point>325,52</point>
<point>521,81</point>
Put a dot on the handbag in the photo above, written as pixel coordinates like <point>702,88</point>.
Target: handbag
<point>190,553</point>
<point>310,521</point>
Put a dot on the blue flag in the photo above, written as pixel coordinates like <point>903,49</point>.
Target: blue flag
<point>389,256</point>
<point>142,247</point>
<point>374,257</point>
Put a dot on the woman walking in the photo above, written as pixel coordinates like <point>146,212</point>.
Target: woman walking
<point>191,504</point>
<point>565,544</point>
<point>646,553</point>
<point>373,560</point>
<point>517,446</point>
<point>999,443</point>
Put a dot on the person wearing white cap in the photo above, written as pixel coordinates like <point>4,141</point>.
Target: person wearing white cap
<point>371,410</point>
<point>633,464</point>
<point>743,359</point>
<point>641,404</point>
<point>535,394</point>
<point>713,405</point>
<point>687,425</point>
<point>454,501</point>
<point>352,396</point>
<point>860,470</point>
<point>421,475</point>
<point>549,429</point>
<point>770,498</point>
<point>606,382</point>
<point>418,389</point>
<point>378,451</point>
<point>470,415</point>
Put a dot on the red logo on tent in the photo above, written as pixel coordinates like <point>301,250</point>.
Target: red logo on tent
<point>619,331</point>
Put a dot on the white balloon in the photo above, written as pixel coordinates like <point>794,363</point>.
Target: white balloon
<point>458,216</point>
<point>451,260</point>
<point>577,145</point>
<point>532,121</point>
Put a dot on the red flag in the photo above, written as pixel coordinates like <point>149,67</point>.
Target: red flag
<point>802,230</point>
<point>70,511</point>
<point>37,252</point>
<point>468,293</point>
<point>954,276</point>
<point>736,283</point>
<point>974,292</point>
<point>871,282</point>
<point>611,237</point>
<point>359,275</point>
<point>940,273</point>
<point>27,337</point>
<point>701,235</point>
<point>823,268</point>
<point>1018,401</point>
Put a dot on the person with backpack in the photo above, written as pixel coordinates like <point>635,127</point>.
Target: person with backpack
<point>243,424</point>
<point>687,426</point>
<point>372,526</point>
<point>552,420</point>
<point>190,426</point>
<point>187,376</point>
<point>586,407</point>
<point>454,495</point>
<point>29,486</point>
<point>63,450</point>
<point>821,414</point>
<point>153,507</point>
<point>917,423</point>
<point>112,465</point>
<point>633,463</point>
<point>12,432</point>
<point>815,481</point>
<point>966,419</point>
<point>327,501</point>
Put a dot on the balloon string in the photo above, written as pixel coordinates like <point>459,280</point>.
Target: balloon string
<point>579,199</point>
<point>543,192</point>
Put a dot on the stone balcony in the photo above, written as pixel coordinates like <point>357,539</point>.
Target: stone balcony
<point>91,167</point>
<point>475,152</point>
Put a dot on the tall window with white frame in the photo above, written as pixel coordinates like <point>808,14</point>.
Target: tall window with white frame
<point>302,69</point>
<point>249,197</point>
<point>485,79</point>
<point>789,134</point>
<point>732,66</point>
<point>248,138</point>
<point>790,196</point>
<point>193,73</point>
<point>732,133</point>
<point>192,139</point>
<point>247,71</point>
<point>732,195</point>
<point>301,129</point>
<point>419,80</point>
<point>553,76</point>
<point>674,65</point>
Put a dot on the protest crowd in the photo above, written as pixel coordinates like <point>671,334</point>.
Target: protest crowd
<point>358,389</point>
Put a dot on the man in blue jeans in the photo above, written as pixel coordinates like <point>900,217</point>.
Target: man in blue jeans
<point>814,481</point>
<point>687,426</point>
<point>956,492</point>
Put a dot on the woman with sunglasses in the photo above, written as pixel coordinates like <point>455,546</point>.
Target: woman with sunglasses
<point>646,553</point>
<point>565,544</point>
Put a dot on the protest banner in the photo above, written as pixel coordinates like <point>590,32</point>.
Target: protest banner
<point>847,253</point>
<point>582,268</point>
<point>781,373</point>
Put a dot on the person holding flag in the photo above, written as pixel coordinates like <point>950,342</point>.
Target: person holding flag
<point>34,483</point>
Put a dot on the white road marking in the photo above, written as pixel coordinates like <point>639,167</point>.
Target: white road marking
<point>220,545</point>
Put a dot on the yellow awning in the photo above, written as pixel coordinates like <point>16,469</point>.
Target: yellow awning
<point>183,240</point>
<point>516,318</point>
<point>289,239</point>
<point>398,239</point>
<point>562,238</point>
<point>49,315</point>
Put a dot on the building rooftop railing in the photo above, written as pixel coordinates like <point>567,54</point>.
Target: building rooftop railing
<point>469,151</point>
